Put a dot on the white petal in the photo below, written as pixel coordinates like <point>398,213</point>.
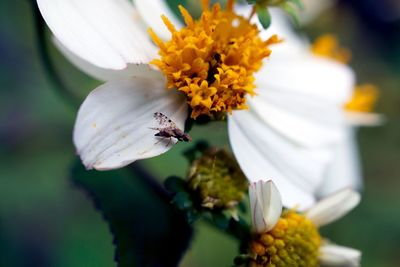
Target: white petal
<point>364,119</point>
<point>105,33</point>
<point>344,171</point>
<point>113,124</point>
<point>102,74</point>
<point>281,25</point>
<point>333,255</point>
<point>333,207</point>
<point>305,121</point>
<point>151,11</point>
<point>266,205</point>
<point>264,154</point>
<point>307,74</point>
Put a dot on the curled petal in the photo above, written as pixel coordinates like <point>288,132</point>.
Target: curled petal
<point>266,205</point>
<point>333,255</point>
<point>333,207</point>
<point>113,126</point>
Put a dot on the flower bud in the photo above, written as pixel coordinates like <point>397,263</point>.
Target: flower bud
<point>217,180</point>
<point>265,204</point>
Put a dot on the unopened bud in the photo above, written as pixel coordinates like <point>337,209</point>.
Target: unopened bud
<point>217,180</point>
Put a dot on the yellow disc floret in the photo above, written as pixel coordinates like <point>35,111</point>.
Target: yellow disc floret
<point>213,59</point>
<point>294,242</point>
<point>364,98</point>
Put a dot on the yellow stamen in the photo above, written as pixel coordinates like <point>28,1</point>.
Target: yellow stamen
<point>186,16</point>
<point>168,23</point>
<point>213,60</point>
<point>364,98</point>
<point>155,38</point>
<point>294,241</point>
<point>327,45</point>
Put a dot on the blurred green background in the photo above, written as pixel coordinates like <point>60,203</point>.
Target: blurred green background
<point>46,221</point>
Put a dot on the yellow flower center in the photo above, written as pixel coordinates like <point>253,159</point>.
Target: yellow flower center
<point>294,242</point>
<point>365,96</point>
<point>213,59</point>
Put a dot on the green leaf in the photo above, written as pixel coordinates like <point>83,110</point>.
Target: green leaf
<point>263,16</point>
<point>148,231</point>
<point>297,3</point>
<point>292,12</point>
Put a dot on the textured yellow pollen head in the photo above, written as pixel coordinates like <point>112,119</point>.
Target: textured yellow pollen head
<point>293,242</point>
<point>364,98</point>
<point>212,60</point>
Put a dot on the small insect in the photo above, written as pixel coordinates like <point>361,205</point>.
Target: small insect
<point>169,129</point>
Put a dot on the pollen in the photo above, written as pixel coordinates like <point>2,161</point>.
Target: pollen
<point>364,98</point>
<point>212,60</point>
<point>294,242</point>
<point>328,46</point>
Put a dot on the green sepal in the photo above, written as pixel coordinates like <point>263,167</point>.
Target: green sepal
<point>241,260</point>
<point>220,220</point>
<point>192,153</point>
<point>174,184</point>
<point>297,3</point>
<point>182,200</point>
<point>288,8</point>
<point>263,16</point>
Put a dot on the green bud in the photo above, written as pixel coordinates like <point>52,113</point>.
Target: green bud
<point>217,180</point>
<point>289,6</point>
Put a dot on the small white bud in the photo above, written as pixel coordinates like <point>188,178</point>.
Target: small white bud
<point>266,205</point>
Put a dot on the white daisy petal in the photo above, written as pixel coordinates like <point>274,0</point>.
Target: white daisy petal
<point>261,152</point>
<point>364,119</point>
<point>333,255</point>
<point>102,74</point>
<point>333,207</point>
<point>280,25</point>
<point>305,121</point>
<point>266,205</point>
<point>113,124</point>
<point>344,171</point>
<point>151,11</point>
<point>307,74</point>
<point>105,33</point>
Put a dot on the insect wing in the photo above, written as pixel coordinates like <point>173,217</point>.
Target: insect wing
<point>164,121</point>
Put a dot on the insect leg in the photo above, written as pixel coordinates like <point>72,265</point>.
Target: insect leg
<point>169,141</point>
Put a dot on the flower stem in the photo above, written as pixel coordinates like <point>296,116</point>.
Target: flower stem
<point>253,11</point>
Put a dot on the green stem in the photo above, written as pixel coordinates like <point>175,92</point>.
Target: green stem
<point>51,71</point>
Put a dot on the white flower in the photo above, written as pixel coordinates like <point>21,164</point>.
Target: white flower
<point>296,121</point>
<point>266,204</point>
<point>288,132</point>
<point>107,39</point>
